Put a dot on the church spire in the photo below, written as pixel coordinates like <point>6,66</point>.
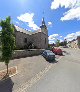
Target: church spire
<point>43,22</point>
<point>43,25</point>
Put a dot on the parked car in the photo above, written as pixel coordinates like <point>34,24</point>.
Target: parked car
<point>65,46</point>
<point>48,55</point>
<point>57,51</point>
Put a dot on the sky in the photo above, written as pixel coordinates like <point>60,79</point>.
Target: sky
<point>62,17</point>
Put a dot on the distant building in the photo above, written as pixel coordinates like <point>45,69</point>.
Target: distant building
<point>39,38</point>
<point>74,43</point>
<point>78,41</point>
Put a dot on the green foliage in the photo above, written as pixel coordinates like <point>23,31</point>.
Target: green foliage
<point>65,42</point>
<point>61,43</point>
<point>7,39</point>
<point>57,42</point>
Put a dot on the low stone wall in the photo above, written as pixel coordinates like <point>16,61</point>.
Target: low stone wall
<point>26,53</point>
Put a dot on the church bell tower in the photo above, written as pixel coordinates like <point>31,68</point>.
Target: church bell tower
<point>44,27</point>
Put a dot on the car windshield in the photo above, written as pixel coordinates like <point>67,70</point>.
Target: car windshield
<point>49,52</point>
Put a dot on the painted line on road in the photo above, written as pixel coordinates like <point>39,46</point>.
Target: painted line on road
<point>35,79</point>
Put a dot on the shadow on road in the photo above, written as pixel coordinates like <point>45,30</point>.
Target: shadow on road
<point>53,61</point>
<point>6,85</point>
<point>66,52</point>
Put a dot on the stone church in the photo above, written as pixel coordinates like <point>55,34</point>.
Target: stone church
<point>38,38</point>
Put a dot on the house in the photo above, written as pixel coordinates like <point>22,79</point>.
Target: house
<point>75,43</point>
<point>38,38</point>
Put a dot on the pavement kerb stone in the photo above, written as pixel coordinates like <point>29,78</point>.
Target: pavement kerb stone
<point>10,75</point>
<point>15,73</point>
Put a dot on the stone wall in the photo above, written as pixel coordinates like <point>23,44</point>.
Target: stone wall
<point>39,40</point>
<point>36,39</point>
<point>27,53</point>
<point>20,37</point>
<point>78,38</point>
<point>44,41</point>
<point>74,44</point>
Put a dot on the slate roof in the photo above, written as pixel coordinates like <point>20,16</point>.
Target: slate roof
<point>22,30</point>
<point>26,31</point>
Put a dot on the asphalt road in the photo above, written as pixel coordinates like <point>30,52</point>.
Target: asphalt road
<point>63,77</point>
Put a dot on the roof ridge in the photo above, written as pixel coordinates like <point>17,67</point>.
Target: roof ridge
<point>26,31</point>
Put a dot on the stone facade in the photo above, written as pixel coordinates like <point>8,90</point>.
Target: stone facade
<point>74,43</point>
<point>78,40</point>
<point>39,38</point>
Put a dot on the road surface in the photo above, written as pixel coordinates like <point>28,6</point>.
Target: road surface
<point>63,77</point>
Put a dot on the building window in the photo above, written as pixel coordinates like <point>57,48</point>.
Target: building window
<point>25,40</point>
<point>45,40</point>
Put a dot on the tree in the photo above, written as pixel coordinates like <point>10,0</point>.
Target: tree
<point>57,42</point>
<point>7,40</point>
<point>65,42</point>
<point>61,43</point>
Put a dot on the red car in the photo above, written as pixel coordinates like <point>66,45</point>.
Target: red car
<point>57,51</point>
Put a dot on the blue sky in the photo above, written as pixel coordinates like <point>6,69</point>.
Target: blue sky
<point>62,17</point>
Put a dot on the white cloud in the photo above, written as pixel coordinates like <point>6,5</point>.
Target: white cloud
<point>63,3</point>
<point>72,36</point>
<point>61,36</point>
<point>73,13</point>
<point>33,26</point>
<point>51,42</point>
<point>72,5</point>
<point>49,23</point>
<point>53,36</point>
<point>78,33</point>
<point>28,17</point>
<point>61,40</point>
<point>17,22</point>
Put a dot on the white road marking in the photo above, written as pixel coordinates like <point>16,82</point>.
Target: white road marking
<point>35,79</point>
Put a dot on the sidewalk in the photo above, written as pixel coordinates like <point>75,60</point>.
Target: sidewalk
<point>27,68</point>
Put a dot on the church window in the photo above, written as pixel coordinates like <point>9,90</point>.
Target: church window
<point>25,40</point>
<point>45,40</point>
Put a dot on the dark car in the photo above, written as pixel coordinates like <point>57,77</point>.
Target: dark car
<point>65,46</point>
<point>48,55</point>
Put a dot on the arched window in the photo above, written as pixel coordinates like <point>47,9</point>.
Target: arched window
<point>45,40</point>
<point>25,40</point>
